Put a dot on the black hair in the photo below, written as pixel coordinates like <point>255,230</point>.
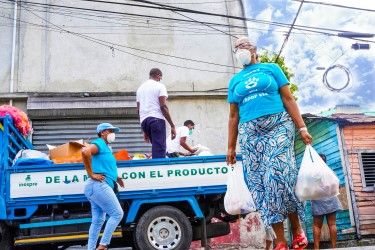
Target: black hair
<point>323,156</point>
<point>155,72</point>
<point>189,122</point>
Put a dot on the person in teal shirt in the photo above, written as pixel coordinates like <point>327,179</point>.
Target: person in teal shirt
<point>264,114</point>
<point>101,167</point>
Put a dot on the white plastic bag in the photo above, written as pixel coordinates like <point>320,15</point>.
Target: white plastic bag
<point>238,199</point>
<point>315,179</point>
<point>30,154</point>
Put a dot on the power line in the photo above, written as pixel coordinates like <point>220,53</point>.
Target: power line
<point>188,21</point>
<point>297,27</point>
<point>71,14</point>
<point>336,5</point>
<point>111,46</point>
<point>158,6</point>
<point>287,35</point>
<point>235,17</point>
<point>213,2</point>
<point>128,47</point>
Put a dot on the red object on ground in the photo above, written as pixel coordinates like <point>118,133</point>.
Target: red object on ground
<point>20,119</point>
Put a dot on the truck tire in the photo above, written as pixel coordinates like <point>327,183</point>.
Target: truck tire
<point>163,227</point>
<point>5,237</point>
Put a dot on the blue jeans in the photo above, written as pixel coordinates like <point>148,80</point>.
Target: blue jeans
<point>103,201</point>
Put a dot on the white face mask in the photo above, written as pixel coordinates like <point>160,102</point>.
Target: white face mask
<point>243,56</point>
<point>111,137</point>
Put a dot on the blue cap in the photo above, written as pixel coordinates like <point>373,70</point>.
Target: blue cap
<point>103,126</point>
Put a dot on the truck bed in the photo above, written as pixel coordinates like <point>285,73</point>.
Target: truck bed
<point>159,178</point>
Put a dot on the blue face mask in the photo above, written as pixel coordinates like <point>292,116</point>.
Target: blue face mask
<point>190,131</point>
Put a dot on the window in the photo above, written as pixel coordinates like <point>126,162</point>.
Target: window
<point>368,169</point>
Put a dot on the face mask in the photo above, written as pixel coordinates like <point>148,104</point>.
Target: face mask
<point>243,56</point>
<point>111,137</point>
<point>190,131</point>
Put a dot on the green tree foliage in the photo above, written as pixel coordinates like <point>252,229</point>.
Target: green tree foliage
<point>266,58</point>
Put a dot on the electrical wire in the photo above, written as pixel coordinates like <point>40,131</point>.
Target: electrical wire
<point>112,46</point>
<point>288,34</point>
<point>336,5</point>
<point>328,85</point>
<point>142,22</point>
<point>298,27</point>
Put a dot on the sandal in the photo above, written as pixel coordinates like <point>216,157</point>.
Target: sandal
<point>101,247</point>
<point>281,246</point>
<point>300,241</point>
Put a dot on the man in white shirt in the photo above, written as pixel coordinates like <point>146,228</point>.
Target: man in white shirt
<point>182,133</point>
<point>153,111</point>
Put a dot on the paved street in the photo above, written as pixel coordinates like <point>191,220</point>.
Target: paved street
<point>347,248</point>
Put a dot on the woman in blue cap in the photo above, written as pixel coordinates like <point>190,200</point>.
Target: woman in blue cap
<point>101,167</point>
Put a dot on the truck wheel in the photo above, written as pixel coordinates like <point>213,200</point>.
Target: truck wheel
<point>5,237</point>
<point>163,227</point>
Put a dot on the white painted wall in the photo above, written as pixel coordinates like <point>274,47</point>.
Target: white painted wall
<point>210,116</point>
<point>55,61</point>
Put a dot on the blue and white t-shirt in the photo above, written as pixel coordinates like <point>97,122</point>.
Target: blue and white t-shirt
<point>256,90</point>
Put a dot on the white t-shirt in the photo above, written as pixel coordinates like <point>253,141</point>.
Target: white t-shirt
<point>148,97</point>
<point>174,145</point>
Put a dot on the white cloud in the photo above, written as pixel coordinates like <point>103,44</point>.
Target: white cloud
<point>278,14</point>
<point>257,29</point>
<point>304,52</point>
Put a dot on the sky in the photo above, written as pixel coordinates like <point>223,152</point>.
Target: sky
<point>304,52</point>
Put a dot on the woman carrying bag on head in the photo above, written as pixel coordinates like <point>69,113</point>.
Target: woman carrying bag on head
<point>264,114</point>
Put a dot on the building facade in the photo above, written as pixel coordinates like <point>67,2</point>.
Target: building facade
<point>348,142</point>
<point>72,66</point>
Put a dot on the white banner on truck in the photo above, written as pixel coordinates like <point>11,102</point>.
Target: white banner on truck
<point>36,184</point>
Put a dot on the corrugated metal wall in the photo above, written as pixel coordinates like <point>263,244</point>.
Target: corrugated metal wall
<point>60,131</point>
<point>360,138</point>
<point>325,141</point>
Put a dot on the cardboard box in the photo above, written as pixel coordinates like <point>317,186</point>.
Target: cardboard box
<point>67,153</point>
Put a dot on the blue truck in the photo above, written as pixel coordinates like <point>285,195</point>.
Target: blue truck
<point>167,203</point>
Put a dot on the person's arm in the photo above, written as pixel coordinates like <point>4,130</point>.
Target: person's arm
<point>120,181</point>
<point>138,108</point>
<point>232,133</point>
<point>87,153</point>
<point>145,136</point>
<point>186,146</point>
<point>165,111</point>
<point>292,108</point>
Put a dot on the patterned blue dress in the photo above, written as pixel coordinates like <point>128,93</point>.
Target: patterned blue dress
<point>267,146</point>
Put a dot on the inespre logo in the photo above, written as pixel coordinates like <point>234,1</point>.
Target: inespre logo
<point>28,182</point>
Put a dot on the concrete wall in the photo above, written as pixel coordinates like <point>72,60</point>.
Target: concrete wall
<point>52,60</point>
<point>6,15</point>
<point>210,116</point>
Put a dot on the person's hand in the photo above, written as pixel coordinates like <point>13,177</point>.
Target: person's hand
<point>173,132</point>
<point>120,182</point>
<point>98,177</point>
<point>193,151</point>
<point>306,137</point>
<point>146,138</point>
<point>231,157</point>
